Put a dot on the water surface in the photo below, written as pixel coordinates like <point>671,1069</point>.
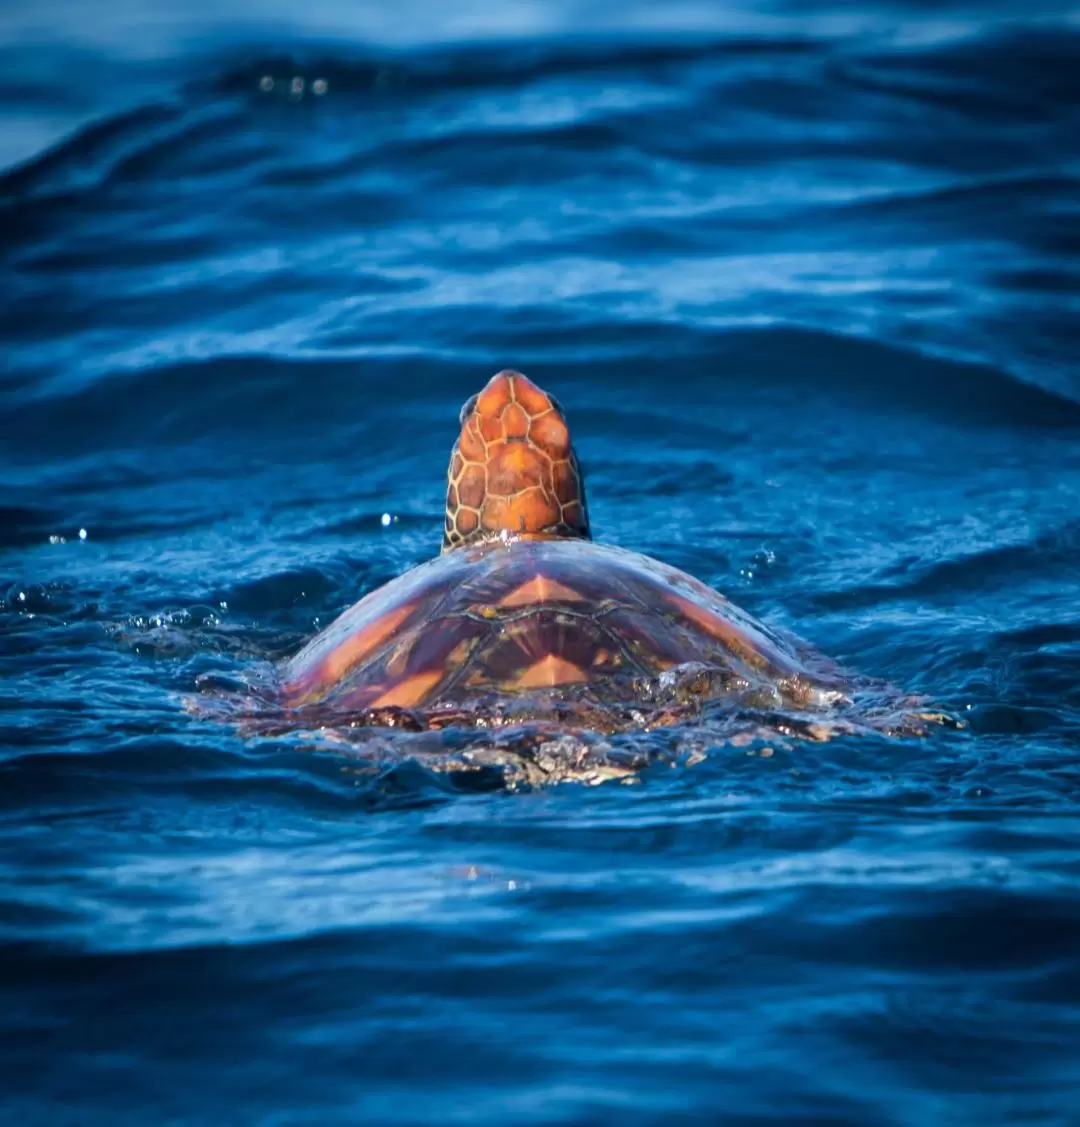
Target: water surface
<point>806,284</point>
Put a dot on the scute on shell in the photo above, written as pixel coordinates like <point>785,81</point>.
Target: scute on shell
<point>548,626</point>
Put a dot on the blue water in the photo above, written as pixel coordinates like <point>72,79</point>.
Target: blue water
<point>806,282</point>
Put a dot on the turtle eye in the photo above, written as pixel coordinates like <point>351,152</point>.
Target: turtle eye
<point>467,409</point>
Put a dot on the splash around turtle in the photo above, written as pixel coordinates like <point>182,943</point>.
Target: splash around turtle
<point>555,656</point>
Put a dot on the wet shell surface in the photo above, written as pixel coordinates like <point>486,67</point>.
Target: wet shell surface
<point>562,618</point>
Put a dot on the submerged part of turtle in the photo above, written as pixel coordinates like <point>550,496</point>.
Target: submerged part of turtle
<point>547,645</point>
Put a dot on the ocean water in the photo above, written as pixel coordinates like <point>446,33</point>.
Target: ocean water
<point>806,281</point>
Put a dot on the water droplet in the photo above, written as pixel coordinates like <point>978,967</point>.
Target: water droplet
<point>320,86</point>
<point>82,533</point>
<point>296,87</point>
<point>386,519</point>
<point>266,84</point>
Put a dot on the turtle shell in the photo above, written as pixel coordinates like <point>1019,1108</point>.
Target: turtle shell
<point>538,617</point>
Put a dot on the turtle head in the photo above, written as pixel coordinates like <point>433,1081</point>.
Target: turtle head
<point>513,470</point>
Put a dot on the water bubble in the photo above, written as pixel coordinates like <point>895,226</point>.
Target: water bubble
<point>296,87</point>
<point>82,533</point>
<point>386,519</point>
<point>319,87</point>
<point>266,84</point>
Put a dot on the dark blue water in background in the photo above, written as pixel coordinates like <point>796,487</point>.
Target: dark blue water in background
<point>806,282</point>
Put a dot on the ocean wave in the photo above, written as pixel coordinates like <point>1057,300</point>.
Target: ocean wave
<point>802,281</point>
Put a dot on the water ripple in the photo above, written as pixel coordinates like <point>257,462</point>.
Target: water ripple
<point>805,283</point>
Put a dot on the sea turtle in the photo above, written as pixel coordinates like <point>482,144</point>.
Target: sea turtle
<point>524,622</point>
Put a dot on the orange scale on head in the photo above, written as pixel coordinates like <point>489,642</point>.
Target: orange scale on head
<point>528,511</point>
<point>532,399</point>
<point>472,486</point>
<point>515,422</point>
<point>565,481</point>
<point>496,396</point>
<point>551,435</point>
<point>471,444</point>
<point>514,467</point>
<point>491,428</point>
